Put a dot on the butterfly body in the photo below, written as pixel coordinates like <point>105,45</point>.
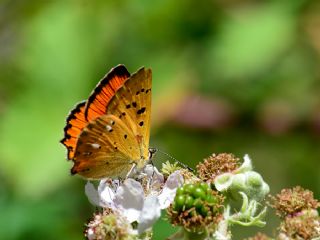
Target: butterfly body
<point>109,133</point>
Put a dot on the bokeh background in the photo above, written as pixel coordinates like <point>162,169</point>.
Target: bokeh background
<point>239,76</point>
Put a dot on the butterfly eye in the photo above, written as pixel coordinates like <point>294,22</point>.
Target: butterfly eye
<point>152,151</point>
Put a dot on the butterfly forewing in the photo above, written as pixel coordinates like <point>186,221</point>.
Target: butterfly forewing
<point>106,147</point>
<point>104,91</point>
<point>132,104</point>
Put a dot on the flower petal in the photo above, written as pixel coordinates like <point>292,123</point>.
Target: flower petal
<point>106,194</point>
<point>90,234</point>
<point>92,194</point>
<point>130,198</point>
<point>168,193</point>
<point>150,213</point>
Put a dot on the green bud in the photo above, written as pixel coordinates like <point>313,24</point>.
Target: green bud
<point>205,186</point>
<point>189,202</point>
<point>180,191</point>
<point>223,181</point>
<point>204,211</point>
<point>211,199</point>
<point>199,193</point>
<point>198,204</point>
<point>254,179</point>
<point>189,188</point>
<point>179,202</point>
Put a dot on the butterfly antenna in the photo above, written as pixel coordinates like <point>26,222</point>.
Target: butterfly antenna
<point>154,150</point>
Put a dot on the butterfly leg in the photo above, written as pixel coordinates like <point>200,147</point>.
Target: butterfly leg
<point>131,170</point>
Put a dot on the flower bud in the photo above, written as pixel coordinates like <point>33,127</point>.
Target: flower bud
<point>243,180</point>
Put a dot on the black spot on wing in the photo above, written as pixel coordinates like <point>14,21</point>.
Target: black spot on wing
<point>141,110</point>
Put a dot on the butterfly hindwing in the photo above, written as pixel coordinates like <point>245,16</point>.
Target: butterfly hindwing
<point>106,147</point>
<point>132,104</point>
<point>75,123</point>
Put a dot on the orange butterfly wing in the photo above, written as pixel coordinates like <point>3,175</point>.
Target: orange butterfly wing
<point>75,123</point>
<point>96,106</point>
<point>100,97</point>
<point>132,104</point>
<point>106,148</point>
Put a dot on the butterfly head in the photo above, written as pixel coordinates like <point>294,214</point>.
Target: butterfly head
<point>152,152</point>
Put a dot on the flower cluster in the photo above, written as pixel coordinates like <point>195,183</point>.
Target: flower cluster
<point>109,225</point>
<point>297,210</point>
<point>200,203</point>
<point>137,202</point>
<point>196,207</point>
<point>290,202</point>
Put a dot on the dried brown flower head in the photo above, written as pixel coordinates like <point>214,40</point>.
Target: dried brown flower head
<point>216,165</point>
<point>301,227</point>
<point>290,202</point>
<point>259,236</point>
<point>188,176</point>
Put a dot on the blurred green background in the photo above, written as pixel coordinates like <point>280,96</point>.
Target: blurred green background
<point>239,76</point>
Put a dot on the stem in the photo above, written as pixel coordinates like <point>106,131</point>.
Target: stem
<point>222,231</point>
<point>183,234</point>
<point>195,235</point>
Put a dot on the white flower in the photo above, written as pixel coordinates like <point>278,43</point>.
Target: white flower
<point>138,203</point>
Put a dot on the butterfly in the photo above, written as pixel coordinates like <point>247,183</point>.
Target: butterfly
<point>108,134</point>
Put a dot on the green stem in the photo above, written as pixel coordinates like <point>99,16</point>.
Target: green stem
<point>195,236</point>
<point>222,232</point>
<point>183,234</point>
